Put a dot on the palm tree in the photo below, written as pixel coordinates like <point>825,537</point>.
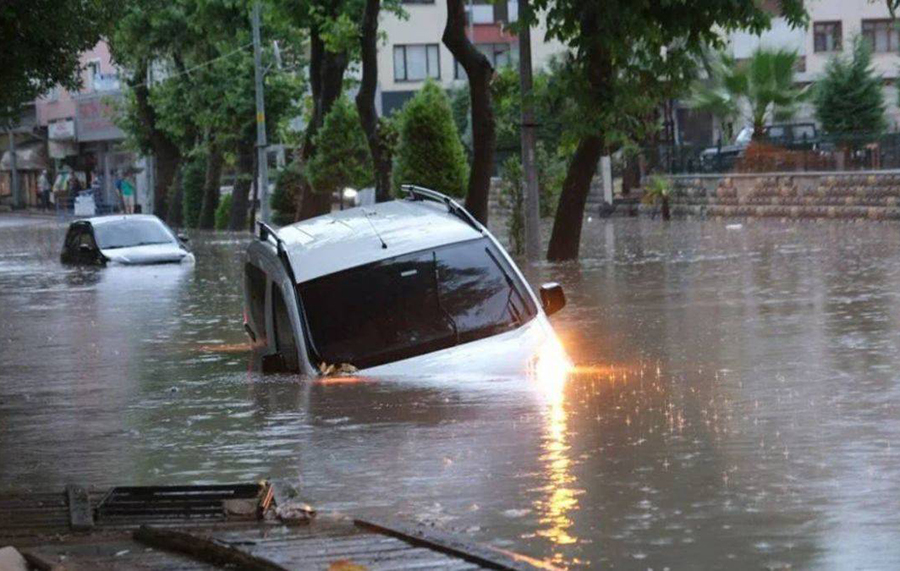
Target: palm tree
<point>758,89</point>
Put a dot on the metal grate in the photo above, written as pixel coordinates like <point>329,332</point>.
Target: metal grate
<point>179,502</point>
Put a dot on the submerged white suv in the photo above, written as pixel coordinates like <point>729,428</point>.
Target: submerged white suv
<point>409,287</point>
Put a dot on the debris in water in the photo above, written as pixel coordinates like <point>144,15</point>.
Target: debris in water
<point>337,370</point>
<point>734,226</point>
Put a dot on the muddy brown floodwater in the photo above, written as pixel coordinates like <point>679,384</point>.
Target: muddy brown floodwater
<point>736,402</point>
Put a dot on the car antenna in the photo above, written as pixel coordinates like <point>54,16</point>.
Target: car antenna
<point>374,229</point>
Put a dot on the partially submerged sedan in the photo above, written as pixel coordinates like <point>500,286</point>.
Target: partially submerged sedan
<point>414,286</point>
<point>134,239</point>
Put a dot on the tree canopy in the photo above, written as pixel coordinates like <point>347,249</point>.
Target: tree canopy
<point>43,40</point>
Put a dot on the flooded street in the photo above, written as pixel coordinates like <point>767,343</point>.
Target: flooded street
<point>736,402</point>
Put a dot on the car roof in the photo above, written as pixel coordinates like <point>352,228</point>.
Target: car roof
<point>341,240</point>
<point>96,220</point>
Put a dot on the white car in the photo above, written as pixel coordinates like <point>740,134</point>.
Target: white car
<point>126,239</point>
<point>408,287</point>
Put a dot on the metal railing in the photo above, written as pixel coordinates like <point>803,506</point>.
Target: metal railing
<point>820,154</point>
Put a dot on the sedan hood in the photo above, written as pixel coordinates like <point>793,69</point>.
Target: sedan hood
<point>149,254</point>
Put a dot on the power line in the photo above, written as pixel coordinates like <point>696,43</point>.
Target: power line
<point>195,67</point>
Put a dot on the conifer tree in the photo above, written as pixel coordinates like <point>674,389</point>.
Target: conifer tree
<point>849,99</point>
<point>430,153</point>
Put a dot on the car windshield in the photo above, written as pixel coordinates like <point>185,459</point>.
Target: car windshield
<point>131,232</point>
<point>413,304</point>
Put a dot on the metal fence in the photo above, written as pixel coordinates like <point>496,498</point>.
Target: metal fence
<point>824,153</point>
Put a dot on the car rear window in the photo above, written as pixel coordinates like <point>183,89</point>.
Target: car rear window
<point>127,233</point>
<point>413,304</point>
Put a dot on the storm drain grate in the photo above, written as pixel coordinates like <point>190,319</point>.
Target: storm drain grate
<point>183,502</point>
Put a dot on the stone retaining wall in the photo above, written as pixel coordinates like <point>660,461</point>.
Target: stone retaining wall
<point>872,195</point>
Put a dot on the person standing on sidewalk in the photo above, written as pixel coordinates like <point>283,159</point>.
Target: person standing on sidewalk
<point>127,190</point>
<point>44,188</point>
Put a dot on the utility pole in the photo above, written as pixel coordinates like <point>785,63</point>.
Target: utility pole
<point>531,203</point>
<point>261,145</point>
<point>14,171</point>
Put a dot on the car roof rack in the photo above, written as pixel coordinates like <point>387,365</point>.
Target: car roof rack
<point>422,193</point>
<point>268,234</point>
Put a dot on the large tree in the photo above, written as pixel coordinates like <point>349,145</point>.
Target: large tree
<point>42,41</point>
<point>379,147</point>
<point>146,34</point>
<point>622,51</point>
<point>201,101</point>
<point>479,72</point>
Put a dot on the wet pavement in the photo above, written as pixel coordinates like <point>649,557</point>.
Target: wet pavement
<point>736,402</point>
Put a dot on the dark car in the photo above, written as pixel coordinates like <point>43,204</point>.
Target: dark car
<point>790,136</point>
<point>135,239</point>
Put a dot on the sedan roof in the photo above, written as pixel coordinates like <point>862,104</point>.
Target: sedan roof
<point>118,218</point>
<point>358,236</point>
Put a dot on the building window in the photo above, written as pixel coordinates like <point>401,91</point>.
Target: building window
<point>827,36</point>
<point>882,35</point>
<point>416,62</point>
<point>500,55</point>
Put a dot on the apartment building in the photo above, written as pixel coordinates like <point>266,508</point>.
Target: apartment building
<point>414,52</point>
<point>833,25</point>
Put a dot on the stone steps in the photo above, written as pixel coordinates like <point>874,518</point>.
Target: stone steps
<point>784,211</point>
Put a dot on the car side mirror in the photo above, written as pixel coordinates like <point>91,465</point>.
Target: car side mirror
<point>183,237</point>
<point>552,298</point>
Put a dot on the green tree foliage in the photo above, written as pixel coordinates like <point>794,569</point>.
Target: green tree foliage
<point>849,97</point>
<point>193,174</point>
<point>223,212</point>
<point>42,41</point>
<point>342,154</point>
<point>764,85</point>
<point>429,152</point>
<point>626,58</point>
<point>287,187</point>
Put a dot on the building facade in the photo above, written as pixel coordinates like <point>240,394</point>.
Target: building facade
<point>833,26</point>
<point>414,52</point>
<point>82,135</point>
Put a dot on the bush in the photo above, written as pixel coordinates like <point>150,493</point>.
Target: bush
<point>193,177</point>
<point>287,187</point>
<point>429,152</point>
<point>342,155</point>
<point>223,213</point>
<point>848,98</point>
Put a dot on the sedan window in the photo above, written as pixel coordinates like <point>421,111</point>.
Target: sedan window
<point>129,232</point>
<point>413,304</point>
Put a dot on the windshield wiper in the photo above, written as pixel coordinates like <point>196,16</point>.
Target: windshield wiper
<point>513,310</point>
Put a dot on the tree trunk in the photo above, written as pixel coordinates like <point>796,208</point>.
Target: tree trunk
<point>166,152</point>
<point>531,201</point>
<point>365,101</point>
<point>240,198</point>
<point>565,239</point>
<point>479,71</point>
<point>211,188</point>
<point>326,71</point>
<point>175,215</point>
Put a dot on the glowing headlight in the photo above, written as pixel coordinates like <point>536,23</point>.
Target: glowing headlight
<point>551,367</point>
